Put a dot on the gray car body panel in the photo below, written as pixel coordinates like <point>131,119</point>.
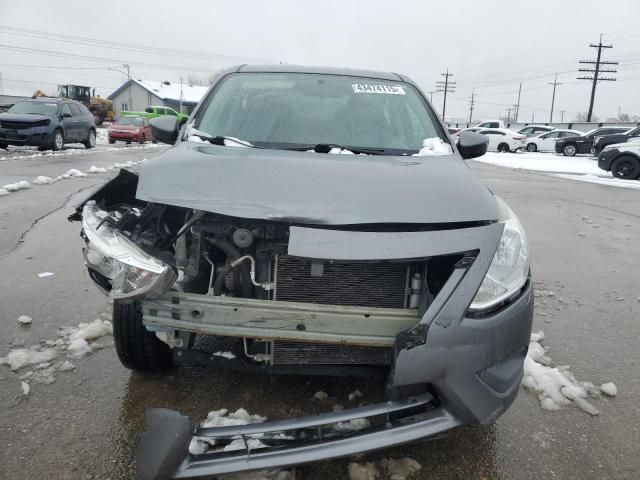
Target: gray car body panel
<point>316,188</point>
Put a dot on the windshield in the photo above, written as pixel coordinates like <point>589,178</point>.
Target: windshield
<point>42,108</point>
<point>130,121</point>
<point>285,110</point>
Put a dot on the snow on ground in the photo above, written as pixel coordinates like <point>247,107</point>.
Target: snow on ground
<point>611,181</point>
<point>557,386</point>
<point>69,174</point>
<point>391,468</point>
<point>39,363</point>
<point>573,168</point>
<point>19,153</point>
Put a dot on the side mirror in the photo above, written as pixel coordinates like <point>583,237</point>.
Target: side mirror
<point>165,129</point>
<point>472,145</point>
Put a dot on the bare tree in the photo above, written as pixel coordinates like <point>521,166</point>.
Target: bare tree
<point>582,117</point>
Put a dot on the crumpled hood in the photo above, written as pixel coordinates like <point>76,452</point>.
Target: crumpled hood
<point>24,117</point>
<point>316,188</point>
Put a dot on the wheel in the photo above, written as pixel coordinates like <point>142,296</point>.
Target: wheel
<point>58,140</point>
<point>504,148</point>
<point>569,150</point>
<point>90,142</point>
<point>111,140</point>
<point>154,141</point>
<point>4,146</point>
<point>626,167</point>
<point>137,348</point>
<point>142,139</point>
<point>532,147</point>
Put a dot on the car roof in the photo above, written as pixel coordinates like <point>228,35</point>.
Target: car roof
<point>351,72</point>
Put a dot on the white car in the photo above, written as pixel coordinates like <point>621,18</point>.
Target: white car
<point>504,140</point>
<point>470,129</point>
<point>535,130</point>
<point>546,142</point>
<point>490,124</point>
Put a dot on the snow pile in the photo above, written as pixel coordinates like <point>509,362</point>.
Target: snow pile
<point>25,388</point>
<point>24,320</point>
<point>221,418</point>
<point>94,169</point>
<point>340,151</point>
<point>14,187</point>
<point>609,389</point>
<point>74,172</point>
<point>228,355</point>
<point>556,386</point>
<point>3,192</point>
<point>102,136</point>
<point>392,468</point>
<point>434,146</point>
<point>43,180</point>
<point>74,342</point>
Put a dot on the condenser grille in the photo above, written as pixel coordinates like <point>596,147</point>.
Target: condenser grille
<point>356,283</point>
<point>301,353</point>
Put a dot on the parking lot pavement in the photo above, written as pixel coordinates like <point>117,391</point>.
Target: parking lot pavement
<point>86,424</point>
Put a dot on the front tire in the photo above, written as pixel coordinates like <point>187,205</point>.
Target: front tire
<point>90,142</point>
<point>504,148</point>
<point>569,150</point>
<point>626,167</point>
<point>137,348</point>
<point>142,139</point>
<point>532,147</point>
<point>57,142</point>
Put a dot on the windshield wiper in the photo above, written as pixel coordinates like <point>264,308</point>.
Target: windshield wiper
<point>327,147</point>
<point>221,140</point>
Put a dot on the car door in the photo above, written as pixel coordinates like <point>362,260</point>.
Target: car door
<point>548,142</point>
<point>494,138</point>
<point>80,123</point>
<point>68,126</point>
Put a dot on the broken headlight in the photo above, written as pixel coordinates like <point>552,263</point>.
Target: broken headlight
<point>131,272</point>
<point>509,268</point>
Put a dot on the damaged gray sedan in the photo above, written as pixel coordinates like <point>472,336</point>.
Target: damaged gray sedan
<point>314,221</point>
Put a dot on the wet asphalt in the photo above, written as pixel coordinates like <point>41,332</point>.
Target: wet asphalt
<point>86,425</point>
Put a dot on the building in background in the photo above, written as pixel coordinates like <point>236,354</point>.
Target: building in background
<point>136,95</point>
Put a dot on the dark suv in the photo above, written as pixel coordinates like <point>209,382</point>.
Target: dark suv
<point>602,141</point>
<point>47,123</point>
<point>570,146</point>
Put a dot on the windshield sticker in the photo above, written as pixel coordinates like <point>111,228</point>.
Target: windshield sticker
<point>373,88</point>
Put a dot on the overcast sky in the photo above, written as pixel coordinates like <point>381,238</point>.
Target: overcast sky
<point>489,45</point>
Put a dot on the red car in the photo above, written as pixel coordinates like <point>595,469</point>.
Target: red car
<point>130,129</point>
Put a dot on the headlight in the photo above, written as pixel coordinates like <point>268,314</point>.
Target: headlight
<point>509,268</point>
<point>132,272</point>
<point>608,148</point>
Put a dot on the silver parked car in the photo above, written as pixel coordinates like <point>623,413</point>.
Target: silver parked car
<point>314,221</point>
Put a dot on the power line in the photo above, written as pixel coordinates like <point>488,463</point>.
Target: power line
<point>447,87</point>
<point>596,72</point>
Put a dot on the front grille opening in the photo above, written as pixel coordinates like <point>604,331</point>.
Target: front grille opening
<point>439,269</point>
<point>366,284</point>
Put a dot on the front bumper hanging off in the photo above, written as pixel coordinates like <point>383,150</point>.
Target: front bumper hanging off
<point>165,444</point>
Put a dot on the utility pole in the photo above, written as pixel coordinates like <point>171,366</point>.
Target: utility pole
<point>518,104</point>
<point>180,94</point>
<point>2,87</point>
<point>446,87</point>
<point>126,65</point>
<point>472,103</point>
<point>553,96</point>
<point>509,116</point>
<point>533,116</point>
<point>562,112</point>
<point>431,95</point>
<point>596,72</point>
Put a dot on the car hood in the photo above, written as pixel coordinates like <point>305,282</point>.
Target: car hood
<point>316,188</point>
<point>25,117</point>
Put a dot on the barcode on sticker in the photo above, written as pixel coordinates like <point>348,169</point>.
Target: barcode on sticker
<point>377,88</point>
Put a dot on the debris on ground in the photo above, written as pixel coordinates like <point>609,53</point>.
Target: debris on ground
<point>222,418</point>
<point>25,388</point>
<point>320,395</point>
<point>355,395</point>
<point>94,169</point>
<point>228,355</point>
<point>24,320</point>
<point>46,274</point>
<point>556,386</point>
<point>387,468</point>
